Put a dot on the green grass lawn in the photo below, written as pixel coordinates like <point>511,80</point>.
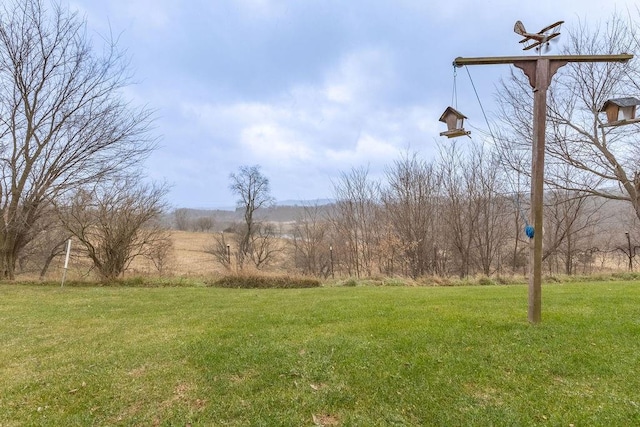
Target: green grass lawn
<point>348,356</point>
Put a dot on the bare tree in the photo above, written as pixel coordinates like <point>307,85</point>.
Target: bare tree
<point>310,242</point>
<point>48,242</point>
<point>476,208</point>
<point>354,219</point>
<point>221,250</point>
<point>63,120</point>
<point>411,205</point>
<point>460,215</point>
<point>255,240</point>
<point>181,219</point>
<point>265,245</point>
<point>160,252</point>
<point>490,236</point>
<point>571,219</point>
<point>116,223</point>
<point>203,224</point>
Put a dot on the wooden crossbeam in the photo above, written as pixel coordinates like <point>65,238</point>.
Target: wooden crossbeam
<point>489,60</point>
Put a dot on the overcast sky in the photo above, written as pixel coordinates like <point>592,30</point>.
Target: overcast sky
<point>309,88</point>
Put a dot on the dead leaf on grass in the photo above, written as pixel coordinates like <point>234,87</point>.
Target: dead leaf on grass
<point>325,420</point>
<point>317,387</point>
<point>137,372</point>
<point>73,390</point>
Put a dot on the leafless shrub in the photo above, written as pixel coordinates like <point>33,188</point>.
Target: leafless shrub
<point>117,222</point>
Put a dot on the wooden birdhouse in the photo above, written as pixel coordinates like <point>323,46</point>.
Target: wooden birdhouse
<point>455,123</point>
<point>620,111</point>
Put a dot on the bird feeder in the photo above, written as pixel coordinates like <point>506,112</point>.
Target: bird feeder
<point>455,123</point>
<point>620,111</point>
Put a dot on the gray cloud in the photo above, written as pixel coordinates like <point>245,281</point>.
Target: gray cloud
<point>307,89</point>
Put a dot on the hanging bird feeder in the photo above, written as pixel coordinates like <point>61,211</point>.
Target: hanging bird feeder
<point>455,123</point>
<point>620,111</point>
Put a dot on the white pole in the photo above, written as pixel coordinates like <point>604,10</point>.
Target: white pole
<point>66,262</point>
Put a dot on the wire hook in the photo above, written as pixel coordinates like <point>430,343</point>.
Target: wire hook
<point>454,95</point>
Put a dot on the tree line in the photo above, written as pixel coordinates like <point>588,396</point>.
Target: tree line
<point>458,215</point>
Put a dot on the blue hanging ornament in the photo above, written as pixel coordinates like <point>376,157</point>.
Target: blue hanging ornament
<point>529,231</point>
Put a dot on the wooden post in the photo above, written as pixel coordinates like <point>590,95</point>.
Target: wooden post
<point>537,189</point>
<point>539,70</point>
<point>66,263</point>
<point>331,256</point>
<point>631,251</point>
<point>539,73</point>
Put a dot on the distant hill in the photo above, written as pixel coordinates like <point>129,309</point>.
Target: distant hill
<point>198,219</point>
<point>316,202</point>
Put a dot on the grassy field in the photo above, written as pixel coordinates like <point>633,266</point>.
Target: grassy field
<point>348,356</point>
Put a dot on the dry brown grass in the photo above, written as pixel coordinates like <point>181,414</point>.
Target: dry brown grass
<point>189,257</point>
